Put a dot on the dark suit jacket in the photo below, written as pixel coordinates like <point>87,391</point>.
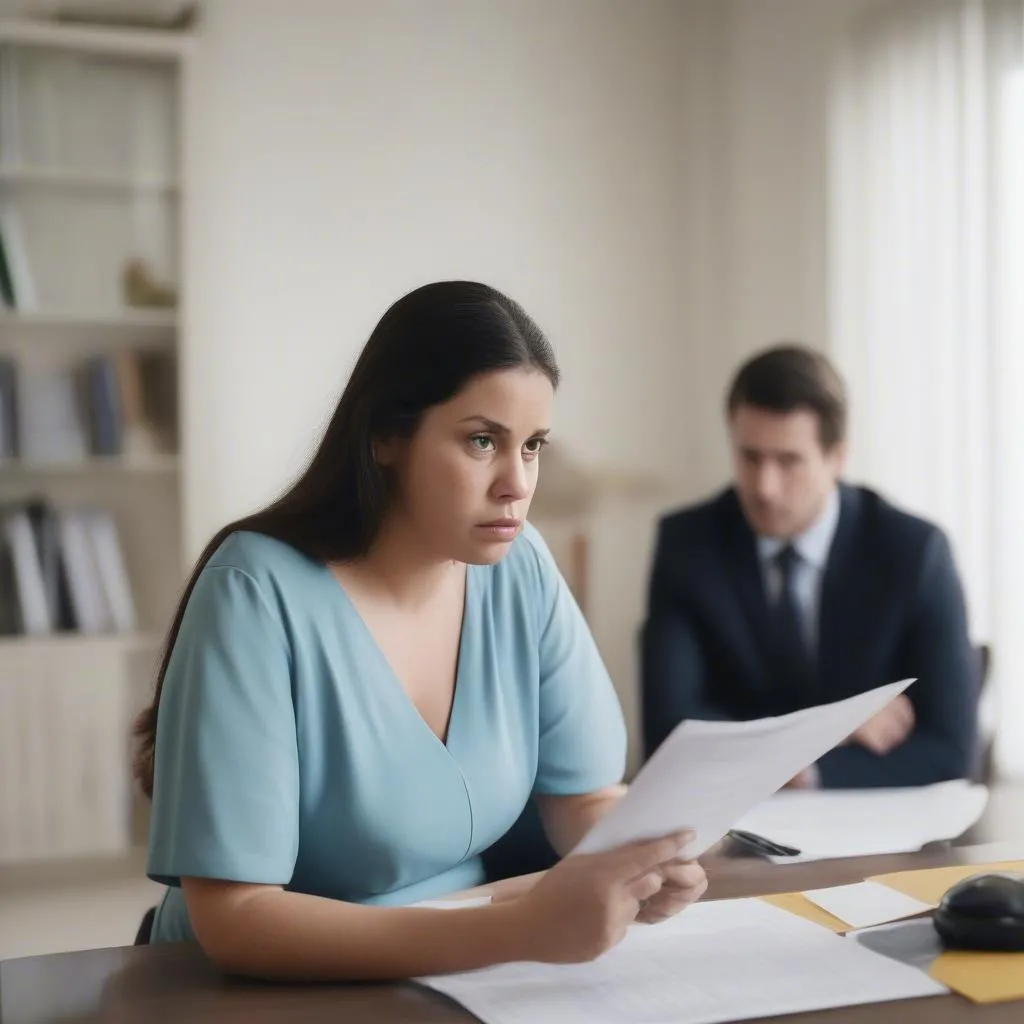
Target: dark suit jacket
<point>891,608</point>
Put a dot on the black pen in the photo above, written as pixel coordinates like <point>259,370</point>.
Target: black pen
<point>763,845</point>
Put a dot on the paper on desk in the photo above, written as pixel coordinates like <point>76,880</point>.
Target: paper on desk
<point>454,904</point>
<point>860,823</point>
<point>865,904</point>
<point>724,960</point>
<point>707,775</point>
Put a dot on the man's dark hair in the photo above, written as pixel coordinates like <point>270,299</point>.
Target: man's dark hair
<point>790,377</point>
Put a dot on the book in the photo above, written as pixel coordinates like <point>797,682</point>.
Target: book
<point>109,561</point>
<point>50,424</point>
<point>8,409</point>
<point>103,406</point>
<point>19,267</point>
<point>89,606</point>
<point>28,573</point>
<point>10,606</point>
<point>44,527</point>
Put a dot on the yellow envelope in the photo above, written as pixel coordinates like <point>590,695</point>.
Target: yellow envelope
<point>931,884</point>
<point>797,903</point>
<point>982,977</point>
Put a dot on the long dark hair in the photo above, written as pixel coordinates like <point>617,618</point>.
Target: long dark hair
<point>423,351</point>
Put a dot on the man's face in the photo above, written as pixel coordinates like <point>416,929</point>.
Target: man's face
<point>783,475</point>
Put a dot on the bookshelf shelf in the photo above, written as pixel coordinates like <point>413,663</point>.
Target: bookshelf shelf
<point>139,43</point>
<point>127,643</point>
<point>161,465</point>
<point>128,320</point>
<point>58,177</point>
<point>138,328</point>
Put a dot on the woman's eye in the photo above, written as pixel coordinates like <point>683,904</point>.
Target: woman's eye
<point>482,442</point>
<point>534,445</point>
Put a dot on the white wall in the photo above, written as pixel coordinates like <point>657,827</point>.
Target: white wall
<point>645,177</point>
<point>764,245</point>
<point>342,153</point>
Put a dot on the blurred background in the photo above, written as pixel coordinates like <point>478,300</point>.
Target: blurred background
<point>204,209</point>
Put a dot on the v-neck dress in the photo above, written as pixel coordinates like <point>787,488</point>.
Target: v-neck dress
<point>288,753</point>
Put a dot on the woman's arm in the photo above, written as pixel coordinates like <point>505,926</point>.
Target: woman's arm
<point>581,908</point>
<point>503,889</point>
<point>264,931</point>
<point>567,819</point>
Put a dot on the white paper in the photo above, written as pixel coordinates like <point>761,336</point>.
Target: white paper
<point>861,823</point>
<point>865,904</point>
<point>719,961</point>
<point>707,775</point>
<point>463,904</point>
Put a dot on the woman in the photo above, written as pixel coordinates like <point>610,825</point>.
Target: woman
<point>366,681</point>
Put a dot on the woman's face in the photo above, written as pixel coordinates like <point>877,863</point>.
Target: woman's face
<point>465,479</point>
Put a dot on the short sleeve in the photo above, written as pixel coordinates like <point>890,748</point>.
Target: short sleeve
<point>582,744</point>
<point>226,789</point>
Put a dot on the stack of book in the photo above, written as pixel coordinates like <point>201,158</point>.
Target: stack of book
<point>62,570</point>
<point>119,404</point>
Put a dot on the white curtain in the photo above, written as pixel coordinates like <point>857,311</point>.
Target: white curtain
<point>922,322</point>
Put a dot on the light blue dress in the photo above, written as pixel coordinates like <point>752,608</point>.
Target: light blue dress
<point>288,752</point>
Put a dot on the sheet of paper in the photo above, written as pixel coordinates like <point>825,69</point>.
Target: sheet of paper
<point>854,823</point>
<point>470,901</point>
<point>707,775</point>
<point>864,904</point>
<point>724,960</point>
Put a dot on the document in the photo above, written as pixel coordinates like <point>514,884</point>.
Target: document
<point>859,823</point>
<point>723,960</point>
<point>461,904</point>
<point>865,904</point>
<point>707,775</point>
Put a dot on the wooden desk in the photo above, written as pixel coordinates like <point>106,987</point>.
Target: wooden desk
<point>173,983</point>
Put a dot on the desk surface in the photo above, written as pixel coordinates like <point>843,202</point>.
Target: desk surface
<point>174,983</point>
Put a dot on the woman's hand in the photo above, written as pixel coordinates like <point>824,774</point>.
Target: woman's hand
<point>683,883</point>
<point>584,904</point>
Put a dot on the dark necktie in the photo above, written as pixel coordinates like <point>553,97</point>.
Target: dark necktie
<point>796,672</point>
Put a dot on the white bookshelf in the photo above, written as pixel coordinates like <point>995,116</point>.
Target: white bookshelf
<point>59,178</point>
<point>137,641</point>
<point>90,163</point>
<point>150,465</point>
<point>131,321</point>
<point>24,332</point>
<point>135,44</point>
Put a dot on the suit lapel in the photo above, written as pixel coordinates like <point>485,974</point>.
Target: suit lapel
<point>838,616</point>
<point>745,569</point>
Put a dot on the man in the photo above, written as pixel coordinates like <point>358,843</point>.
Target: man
<point>791,589</point>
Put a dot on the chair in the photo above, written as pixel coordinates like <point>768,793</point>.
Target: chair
<point>142,936</point>
<point>984,770</point>
<point>522,850</point>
